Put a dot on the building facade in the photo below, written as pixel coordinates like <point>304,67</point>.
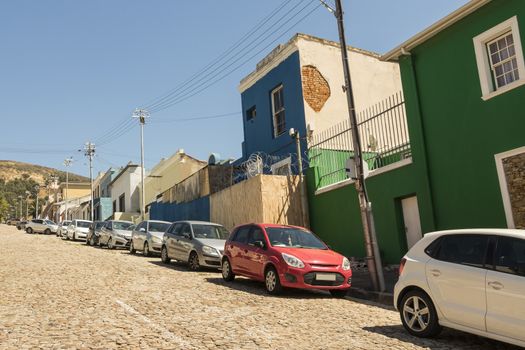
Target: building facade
<point>125,193</point>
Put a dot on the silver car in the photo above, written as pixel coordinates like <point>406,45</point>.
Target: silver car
<point>41,226</point>
<point>78,229</point>
<point>115,234</point>
<point>147,237</point>
<point>197,242</point>
<point>62,228</point>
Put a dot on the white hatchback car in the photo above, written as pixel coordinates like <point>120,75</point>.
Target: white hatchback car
<point>471,280</point>
<point>78,229</point>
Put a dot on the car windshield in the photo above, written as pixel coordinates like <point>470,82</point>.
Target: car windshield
<point>83,223</point>
<point>49,222</point>
<point>99,225</point>
<point>158,226</point>
<point>119,225</point>
<point>66,223</point>
<point>210,231</point>
<point>294,238</point>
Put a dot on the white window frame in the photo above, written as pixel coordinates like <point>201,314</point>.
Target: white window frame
<point>507,204</point>
<point>287,162</point>
<point>274,112</point>
<point>488,90</point>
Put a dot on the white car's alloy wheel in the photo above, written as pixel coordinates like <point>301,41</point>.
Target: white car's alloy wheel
<point>416,314</point>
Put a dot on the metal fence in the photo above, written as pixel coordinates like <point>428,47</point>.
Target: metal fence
<point>384,140</point>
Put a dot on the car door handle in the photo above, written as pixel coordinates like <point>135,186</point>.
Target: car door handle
<point>496,285</point>
<point>435,273</point>
<point>245,251</point>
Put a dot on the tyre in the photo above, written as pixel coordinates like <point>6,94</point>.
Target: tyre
<point>74,237</point>
<point>418,315</point>
<point>227,273</point>
<point>338,293</point>
<point>164,255</point>
<point>193,262</point>
<point>145,250</point>
<point>47,231</point>
<point>29,230</point>
<point>92,241</point>
<point>271,281</point>
<point>132,248</point>
<point>110,244</point>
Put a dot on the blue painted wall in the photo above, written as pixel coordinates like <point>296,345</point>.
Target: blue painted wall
<point>258,132</point>
<point>198,209</point>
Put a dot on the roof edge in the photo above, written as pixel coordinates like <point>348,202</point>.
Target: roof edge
<point>421,37</point>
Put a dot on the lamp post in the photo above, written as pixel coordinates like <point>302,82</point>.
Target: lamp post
<point>67,163</point>
<point>372,250</point>
<point>37,188</point>
<point>141,114</point>
<point>294,134</point>
<point>28,194</point>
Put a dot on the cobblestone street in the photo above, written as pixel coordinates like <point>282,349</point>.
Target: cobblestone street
<point>59,294</point>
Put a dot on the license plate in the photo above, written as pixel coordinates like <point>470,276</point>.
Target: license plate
<point>325,276</point>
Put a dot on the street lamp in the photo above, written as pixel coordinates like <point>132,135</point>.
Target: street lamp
<point>37,188</point>
<point>294,134</point>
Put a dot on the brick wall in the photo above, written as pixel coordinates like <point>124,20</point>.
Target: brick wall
<point>514,168</point>
<point>316,90</point>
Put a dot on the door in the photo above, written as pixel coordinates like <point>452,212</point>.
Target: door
<point>505,286</point>
<point>183,243</point>
<point>255,257</point>
<point>171,239</point>
<point>456,277</point>
<point>236,248</point>
<point>411,220</point>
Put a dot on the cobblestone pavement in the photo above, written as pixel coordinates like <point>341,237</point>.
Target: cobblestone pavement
<point>58,294</point>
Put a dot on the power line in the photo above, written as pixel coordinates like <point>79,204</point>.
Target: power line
<point>161,120</point>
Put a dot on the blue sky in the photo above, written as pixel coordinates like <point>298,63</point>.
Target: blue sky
<point>73,71</point>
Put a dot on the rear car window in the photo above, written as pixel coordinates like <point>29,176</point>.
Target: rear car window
<point>468,250</point>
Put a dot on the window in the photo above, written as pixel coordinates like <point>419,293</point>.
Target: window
<point>282,167</point>
<point>176,229</point>
<point>499,57</point>
<point>242,235</point>
<point>185,230</point>
<point>114,206</point>
<point>157,226</point>
<point>210,231</point>
<point>251,113</point>
<point>279,121</point>
<point>122,203</point>
<point>510,256</point>
<point>257,235</point>
<point>468,250</point>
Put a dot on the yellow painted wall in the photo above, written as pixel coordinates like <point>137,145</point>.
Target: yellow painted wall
<point>75,190</point>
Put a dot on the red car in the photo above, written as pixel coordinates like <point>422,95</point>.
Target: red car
<point>285,256</point>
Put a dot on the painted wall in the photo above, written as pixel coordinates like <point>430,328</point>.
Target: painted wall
<point>459,133</point>
<point>258,132</point>
<point>75,190</point>
<point>335,214</point>
<point>127,184</point>
<point>198,209</point>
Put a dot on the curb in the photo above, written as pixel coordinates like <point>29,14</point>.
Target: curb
<point>383,298</point>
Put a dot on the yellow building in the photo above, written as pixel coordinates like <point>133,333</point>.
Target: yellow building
<point>169,172</point>
<point>74,190</point>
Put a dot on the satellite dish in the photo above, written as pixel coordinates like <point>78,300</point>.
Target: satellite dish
<point>350,168</point>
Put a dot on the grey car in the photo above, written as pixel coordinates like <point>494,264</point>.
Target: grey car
<point>115,234</point>
<point>62,228</point>
<point>147,237</point>
<point>199,243</point>
<point>41,226</point>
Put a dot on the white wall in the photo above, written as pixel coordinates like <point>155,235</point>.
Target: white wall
<point>127,183</point>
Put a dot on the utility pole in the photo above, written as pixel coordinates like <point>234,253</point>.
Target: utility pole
<point>28,194</point>
<point>37,188</point>
<point>89,151</point>
<point>372,250</point>
<point>294,134</point>
<point>141,114</point>
<point>67,163</point>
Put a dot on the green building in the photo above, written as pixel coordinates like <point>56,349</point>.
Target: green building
<point>464,95</point>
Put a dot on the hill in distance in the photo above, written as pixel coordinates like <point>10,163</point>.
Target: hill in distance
<point>10,170</point>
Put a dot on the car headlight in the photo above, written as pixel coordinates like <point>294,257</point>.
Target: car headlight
<point>292,261</point>
<point>210,251</point>
<point>156,239</point>
<point>346,264</point>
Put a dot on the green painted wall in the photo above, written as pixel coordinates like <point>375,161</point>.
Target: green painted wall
<point>335,215</point>
<point>459,133</point>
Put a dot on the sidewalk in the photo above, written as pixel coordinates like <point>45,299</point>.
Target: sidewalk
<point>362,285</point>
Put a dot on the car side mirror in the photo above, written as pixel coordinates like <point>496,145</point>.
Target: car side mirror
<point>142,229</point>
<point>186,235</point>
<point>259,244</point>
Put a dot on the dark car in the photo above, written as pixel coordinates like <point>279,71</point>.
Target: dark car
<point>94,233</point>
<point>21,225</point>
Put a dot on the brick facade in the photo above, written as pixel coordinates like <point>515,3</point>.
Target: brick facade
<point>514,168</point>
<point>316,90</point>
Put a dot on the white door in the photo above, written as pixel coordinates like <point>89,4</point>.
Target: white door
<point>505,286</point>
<point>412,221</point>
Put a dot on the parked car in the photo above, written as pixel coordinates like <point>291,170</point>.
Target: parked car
<point>12,222</point>
<point>78,229</point>
<point>62,228</point>
<point>115,233</point>
<point>147,237</point>
<point>21,225</point>
<point>197,242</point>
<point>94,232</point>
<point>41,226</point>
<point>285,256</point>
<point>470,280</point>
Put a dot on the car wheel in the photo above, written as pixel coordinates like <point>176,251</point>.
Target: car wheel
<point>272,282</point>
<point>29,230</point>
<point>164,255</point>
<point>227,273</point>
<point>132,248</point>
<point>74,238</point>
<point>92,241</point>
<point>47,231</point>
<point>193,262</point>
<point>110,243</point>
<point>145,250</point>
<point>338,293</point>
<point>418,315</point>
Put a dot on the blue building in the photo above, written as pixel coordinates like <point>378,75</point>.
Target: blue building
<point>299,85</point>
<point>103,207</point>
